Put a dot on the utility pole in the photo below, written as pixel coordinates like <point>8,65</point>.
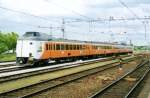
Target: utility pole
<point>145,28</point>
<point>51,30</point>
<point>63,28</point>
<point>90,25</point>
<point>109,28</point>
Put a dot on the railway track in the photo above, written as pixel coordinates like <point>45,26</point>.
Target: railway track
<point>51,83</point>
<point>11,68</point>
<point>7,72</point>
<point>13,63</point>
<point>7,64</point>
<point>15,72</point>
<point>124,86</point>
<point>141,90</point>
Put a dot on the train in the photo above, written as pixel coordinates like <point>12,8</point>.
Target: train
<point>36,48</point>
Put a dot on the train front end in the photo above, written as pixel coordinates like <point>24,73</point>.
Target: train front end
<point>29,48</point>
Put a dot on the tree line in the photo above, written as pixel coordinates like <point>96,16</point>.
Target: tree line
<point>8,41</point>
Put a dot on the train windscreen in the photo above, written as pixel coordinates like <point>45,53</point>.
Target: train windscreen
<point>31,34</point>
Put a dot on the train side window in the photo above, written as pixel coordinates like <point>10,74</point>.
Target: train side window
<point>80,47</point>
<point>77,47</point>
<point>54,47</point>
<point>46,46</point>
<point>49,47</point>
<point>93,47</point>
<point>57,47</point>
<point>110,47</point>
<point>62,47</point>
<point>70,47</point>
<point>83,47</point>
<point>67,48</point>
<point>103,47</point>
<point>97,47</point>
<point>74,47</point>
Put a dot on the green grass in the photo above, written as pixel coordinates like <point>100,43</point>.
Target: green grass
<point>7,57</point>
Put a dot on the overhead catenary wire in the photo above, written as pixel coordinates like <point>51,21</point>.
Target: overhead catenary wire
<point>77,20</point>
<point>144,22</point>
<point>70,10</point>
<point>27,24</point>
<point>25,13</point>
<point>43,18</point>
<point>132,12</point>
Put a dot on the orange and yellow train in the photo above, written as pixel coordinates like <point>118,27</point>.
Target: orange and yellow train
<point>36,47</point>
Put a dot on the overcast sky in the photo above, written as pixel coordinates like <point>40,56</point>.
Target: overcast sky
<point>34,13</point>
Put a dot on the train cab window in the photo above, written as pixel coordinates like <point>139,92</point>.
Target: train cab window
<point>46,46</point>
<point>31,34</point>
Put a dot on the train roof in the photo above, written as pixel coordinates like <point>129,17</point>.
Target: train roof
<point>44,37</point>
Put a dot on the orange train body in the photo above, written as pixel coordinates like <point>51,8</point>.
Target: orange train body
<point>58,50</point>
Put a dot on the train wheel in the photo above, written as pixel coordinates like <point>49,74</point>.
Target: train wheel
<point>22,60</point>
